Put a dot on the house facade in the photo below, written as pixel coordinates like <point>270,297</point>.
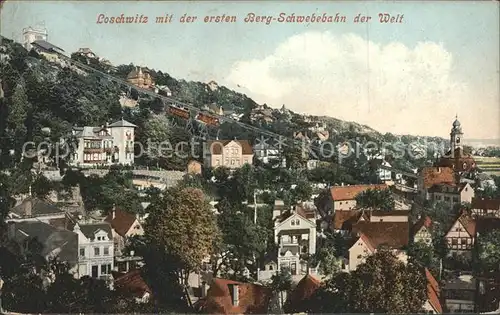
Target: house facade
<point>31,34</point>
<point>459,294</point>
<point>105,145</point>
<point>429,176</point>
<point>460,237</point>
<point>228,153</point>
<point>124,225</point>
<point>368,237</point>
<point>344,197</point>
<point>295,235</point>
<point>451,193</point>
<point>485,207</point>
<point>421,231</point>
<point>95,250</point>
<point>268,154</point>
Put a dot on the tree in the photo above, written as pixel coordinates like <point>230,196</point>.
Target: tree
<point>375,199</point>
<point>302,191</point>
<point>382,284</point>
<point>42,186</point>
<point>242,240</point>
<point>281,282</point>
<point>488,252</point>
<point>424,255</point>
<point>183,225</point>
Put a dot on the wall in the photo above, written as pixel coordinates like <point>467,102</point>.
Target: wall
<point>344,205</point>
<point>86,262</point>
<point>357,254</point>
<point>461,233</point>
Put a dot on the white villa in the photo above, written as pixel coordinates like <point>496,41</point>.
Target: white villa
<point>96,250</point>
<point>105,145</point>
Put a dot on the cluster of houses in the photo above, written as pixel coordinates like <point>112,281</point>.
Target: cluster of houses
<point>90,246</point>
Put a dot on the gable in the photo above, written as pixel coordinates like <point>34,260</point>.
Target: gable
<point>303,222</point>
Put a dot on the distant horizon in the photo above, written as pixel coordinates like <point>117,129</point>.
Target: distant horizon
<point>404,78</point>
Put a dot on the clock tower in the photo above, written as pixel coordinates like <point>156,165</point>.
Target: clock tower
<point>456,136</point>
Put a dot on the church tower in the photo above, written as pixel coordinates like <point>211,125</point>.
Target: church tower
<point>456,136</point>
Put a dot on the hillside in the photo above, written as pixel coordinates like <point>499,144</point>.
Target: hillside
<point>39,96</point>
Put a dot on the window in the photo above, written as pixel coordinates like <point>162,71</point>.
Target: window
<point>292,222</point>
<point>96,251</point>
<point>454,241</point>
<point>217,162</point>
<point>232,162</point>
<point>106,251</point>
<point>82,252</point>
<point>105,269</point>
<point>297,222</point>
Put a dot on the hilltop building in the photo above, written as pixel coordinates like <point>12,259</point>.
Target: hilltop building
<point>31,34</point>
<point>229,153</point>
<point>105,145</point>
<point>141,78</point>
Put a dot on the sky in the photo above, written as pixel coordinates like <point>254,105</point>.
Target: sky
<point>411,77</point>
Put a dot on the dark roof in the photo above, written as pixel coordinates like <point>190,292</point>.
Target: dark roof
<point>447,188</point>
<point>46,45</point>
<point>32,207</point>
<point>344,219</point>
<point>486,204</point>
<point>122,222</point>
<point>89,230</point>
<point>217,145</point>
<point>392,234</point>
<point>487,224</point>
<point>253,298</point>
<point>122,123</point>
<point>131,282</point>
<point>51,238</point>
<point>301,293</point>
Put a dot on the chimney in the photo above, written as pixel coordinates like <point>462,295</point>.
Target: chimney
<point>29,191</point>
<point>341,184</point>
<point>204,289</point>
<point>233,290</point>
<point>28,207</point>
<point>113,212</point>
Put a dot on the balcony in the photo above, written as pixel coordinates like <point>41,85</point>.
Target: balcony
<point>93,150</point>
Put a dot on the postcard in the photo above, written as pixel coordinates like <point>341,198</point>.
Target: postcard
<point>249,157</point>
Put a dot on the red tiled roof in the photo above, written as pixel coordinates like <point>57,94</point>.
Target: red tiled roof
<point>253,298</point>
<point>392,234</point>
<point>350,192</point>
<point>486,204</point>
<point>342,219</point>
<point>468,223</point>
<point>433,292</point>
<point>301,293</point>
<point>122,222</point>
<point>437,175</point>
<point>367,241</point>
<point>308,213</point>
<point>131,282</point>
<point>216,146</point>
